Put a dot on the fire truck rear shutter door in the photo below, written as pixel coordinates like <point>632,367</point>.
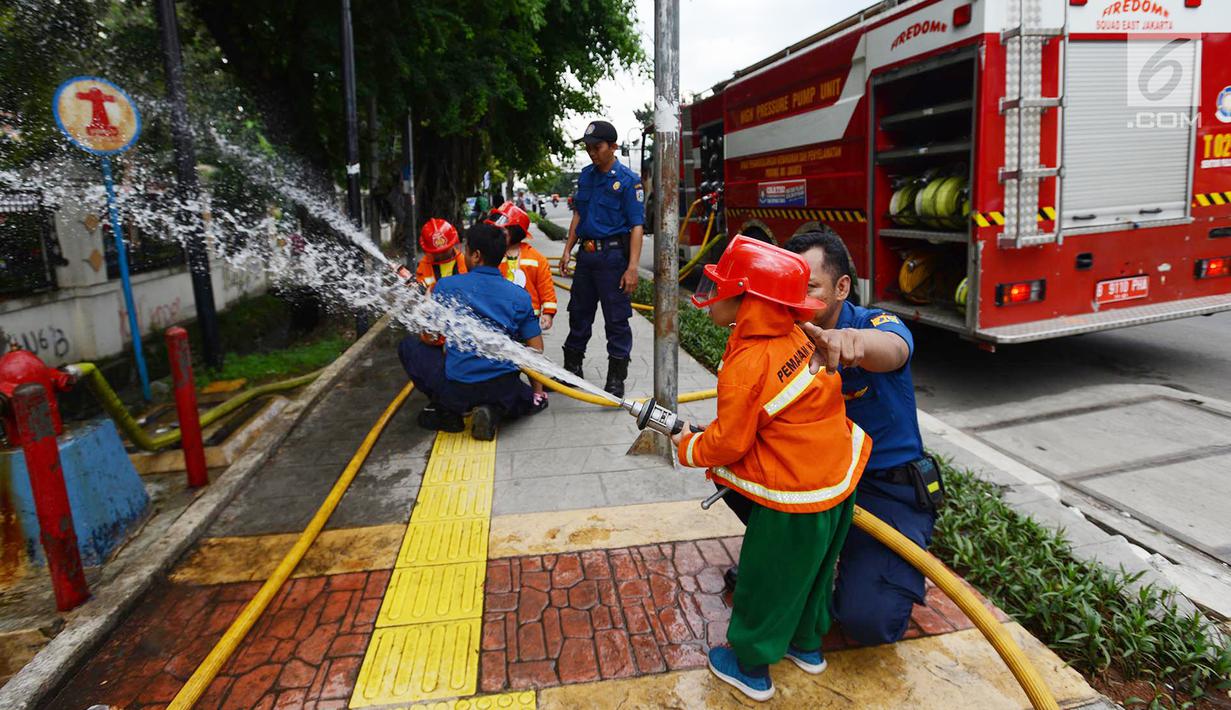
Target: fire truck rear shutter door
<point>1127,131</point>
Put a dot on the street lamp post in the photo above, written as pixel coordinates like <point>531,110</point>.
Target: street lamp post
<point>354,207</point>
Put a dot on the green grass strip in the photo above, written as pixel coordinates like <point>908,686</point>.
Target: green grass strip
<point>260,367</point>
<point>1089,615</point>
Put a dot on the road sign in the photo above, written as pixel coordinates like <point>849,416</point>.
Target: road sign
<point>96,115</point>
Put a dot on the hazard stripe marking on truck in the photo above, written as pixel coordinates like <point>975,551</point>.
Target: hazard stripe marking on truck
<point>1209,199</point>
<point>826,215</point>
<point>987,219</point>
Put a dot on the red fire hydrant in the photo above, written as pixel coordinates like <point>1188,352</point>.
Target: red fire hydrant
<point>19,367</point>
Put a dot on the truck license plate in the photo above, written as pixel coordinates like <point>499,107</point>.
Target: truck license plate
<point>1125,289</point>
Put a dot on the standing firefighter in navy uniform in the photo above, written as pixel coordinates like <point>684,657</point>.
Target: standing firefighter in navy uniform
<point>608,224</point>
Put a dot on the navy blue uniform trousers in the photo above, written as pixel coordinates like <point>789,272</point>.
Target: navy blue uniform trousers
<point>596,281</point>
<point>876,589</point>
<point>425,365</point>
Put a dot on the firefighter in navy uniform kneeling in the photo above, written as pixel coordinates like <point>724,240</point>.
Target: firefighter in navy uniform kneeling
<point>871,350</point>
<point>609,223</point>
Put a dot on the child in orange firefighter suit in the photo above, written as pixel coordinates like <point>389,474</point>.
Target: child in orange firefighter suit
<point>527,267</point>
<point>441,255</point>
<point>781,440</point>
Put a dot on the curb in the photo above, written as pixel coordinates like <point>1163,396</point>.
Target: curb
<point>88,626</point>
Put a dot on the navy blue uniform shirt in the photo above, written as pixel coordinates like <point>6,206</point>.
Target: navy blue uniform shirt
<point>498,302</point>
<point>882,403</point>
<point>609,204</point>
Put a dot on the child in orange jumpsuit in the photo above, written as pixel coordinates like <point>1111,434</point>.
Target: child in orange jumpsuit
<point>781,440</point>
<point>527,267</point>
<point>441,256</point>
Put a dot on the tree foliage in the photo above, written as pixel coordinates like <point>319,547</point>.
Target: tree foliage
<point>488,81</point>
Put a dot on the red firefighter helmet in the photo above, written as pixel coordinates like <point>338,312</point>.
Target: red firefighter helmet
<point>437,236</point>
<point>762,270</point>
<point>510,215</point>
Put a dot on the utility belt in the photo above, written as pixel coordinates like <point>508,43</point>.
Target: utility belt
<point>604,244</point>
<point>923,475</point>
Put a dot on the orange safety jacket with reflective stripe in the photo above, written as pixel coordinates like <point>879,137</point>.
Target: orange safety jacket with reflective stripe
<point>537,281</point>
<point>781,432</point>
<point>429,272</point>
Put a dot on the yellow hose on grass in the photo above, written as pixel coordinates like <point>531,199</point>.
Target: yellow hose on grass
<point>218,656</point>
<point>138,436</point>
<point>112,404</point>
<point>595,399</point>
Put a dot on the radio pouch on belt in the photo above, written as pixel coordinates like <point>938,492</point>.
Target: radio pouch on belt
<point>929,488</point>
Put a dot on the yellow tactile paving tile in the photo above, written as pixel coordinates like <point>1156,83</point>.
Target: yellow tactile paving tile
<point>524,700</point>
<point>418,595</point>
<point>444,542</point>
<point>453,502</point>
<point>406,664</point>
<point>460,469</point>
<point>462,444</point>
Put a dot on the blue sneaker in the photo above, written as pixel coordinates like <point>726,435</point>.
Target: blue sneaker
<point>758,686</point>
<point>808,661</point>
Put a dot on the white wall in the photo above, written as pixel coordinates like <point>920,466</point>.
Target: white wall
<point>86,319</point>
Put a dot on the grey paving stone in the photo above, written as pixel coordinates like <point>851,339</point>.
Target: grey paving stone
<point>546,493</point>
<point>655,485</point>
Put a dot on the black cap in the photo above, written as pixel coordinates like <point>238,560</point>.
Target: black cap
<point>598,131</point>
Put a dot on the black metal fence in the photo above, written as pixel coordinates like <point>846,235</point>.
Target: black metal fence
<point>29,251</point>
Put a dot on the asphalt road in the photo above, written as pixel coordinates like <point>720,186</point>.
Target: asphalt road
<point>1192,355</point>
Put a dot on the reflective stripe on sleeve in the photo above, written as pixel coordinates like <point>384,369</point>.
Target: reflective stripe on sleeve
<point>550,304</point>
<point>428,281</point>
<point>793,389</point>
<point>530,262</point>
<point>692,441</point>
<point>818,495</point>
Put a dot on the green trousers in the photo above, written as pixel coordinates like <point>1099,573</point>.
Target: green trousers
<point>786,578</point>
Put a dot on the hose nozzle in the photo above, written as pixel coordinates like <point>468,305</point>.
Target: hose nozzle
<point>652,416</point>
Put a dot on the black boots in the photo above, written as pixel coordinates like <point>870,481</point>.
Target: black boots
<point>572,361</point>
<point>484,422</point>
<point>617,372</point>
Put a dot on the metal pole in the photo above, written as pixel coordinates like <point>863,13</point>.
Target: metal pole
<point>666,185</point>
<point>37,432</point>
<point>121,257</point>
<point>180,355</point>
<point>354,206</point>
<point>373,171</point>
<point>411,247</point>
<point>186,177</point>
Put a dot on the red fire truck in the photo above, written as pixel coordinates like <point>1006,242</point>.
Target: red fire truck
<point>1011,170</point>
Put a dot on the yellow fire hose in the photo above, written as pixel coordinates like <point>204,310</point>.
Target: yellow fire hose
<point>706,243</point>
<point>1025,673</point>
<point>595,399</point>
<point>138,436</point>
<point>218,656</point>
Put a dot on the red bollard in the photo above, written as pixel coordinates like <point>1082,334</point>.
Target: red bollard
<point>186,406</point>
<point>55,517</point>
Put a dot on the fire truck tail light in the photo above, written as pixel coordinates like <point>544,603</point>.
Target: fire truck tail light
<point>961,15</point>
<point>1078,3</point>
<point>1020,292</point>
<point>1213,268</point>
<point>1192,3</point>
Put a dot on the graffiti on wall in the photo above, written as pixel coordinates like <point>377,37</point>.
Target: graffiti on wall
<point>161,316</point>
<point>49,342</point>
